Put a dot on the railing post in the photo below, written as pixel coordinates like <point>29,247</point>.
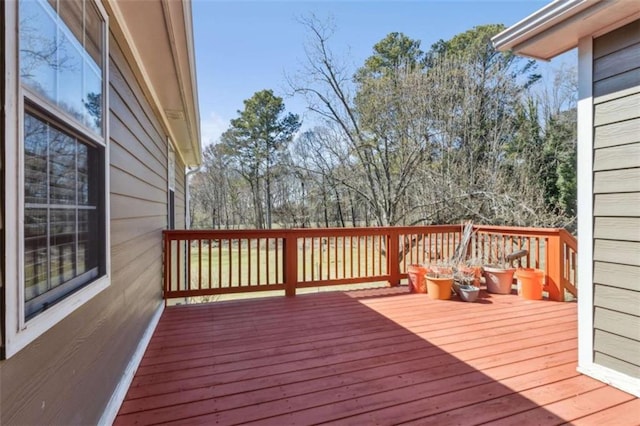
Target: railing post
<point>555,267</point>
<point>393,250</point>
<point>290,264</point>
<point>167,265</point>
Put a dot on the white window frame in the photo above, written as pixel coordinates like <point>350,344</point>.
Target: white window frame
<point>19,332</point>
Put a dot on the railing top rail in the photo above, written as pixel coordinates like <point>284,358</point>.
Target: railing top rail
<point>517,230</point>
<point>178,234</point>
<point>303,232</point>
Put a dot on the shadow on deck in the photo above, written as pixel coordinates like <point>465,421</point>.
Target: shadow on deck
<point>370,357</point>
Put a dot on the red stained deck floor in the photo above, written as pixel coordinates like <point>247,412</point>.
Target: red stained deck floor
<point>370,357</point>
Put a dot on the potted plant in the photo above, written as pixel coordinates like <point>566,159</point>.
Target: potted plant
<point>471,268</point>
<point>464,284</point>
<point>498,278</point>
<point>416,274</point>
<point>439,282</point>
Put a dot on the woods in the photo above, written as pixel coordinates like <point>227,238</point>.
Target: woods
<point>457,132</point>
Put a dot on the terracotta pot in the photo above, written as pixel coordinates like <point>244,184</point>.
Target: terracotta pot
<point>439,288</point>
<point>416,274</point>
<point>498,280</point>
<point>530,281</point>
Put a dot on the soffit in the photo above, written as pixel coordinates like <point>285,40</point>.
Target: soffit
<point>159,34</point>
<point>559,26</point>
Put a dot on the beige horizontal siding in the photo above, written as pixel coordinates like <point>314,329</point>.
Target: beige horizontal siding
<point>619,109</point>
<point>617,275</point>
<point>121,151</point>
<point>617,299</point>
<point>617,365</point>
<point>615,134</point>
<point>617,157</point>
<point>624,180</point>
<point>619,347</point>
<point>617,228</point>
<point>619,323</point>
<point>616,251</point>
<point>623,204</point>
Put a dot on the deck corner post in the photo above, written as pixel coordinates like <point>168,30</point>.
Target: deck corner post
<point>555,259</point>
<point>290,264</point>
<point>393,251</point>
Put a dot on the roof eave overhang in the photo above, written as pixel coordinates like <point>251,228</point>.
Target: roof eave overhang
<point>557,27</point>
<point>161,55</point>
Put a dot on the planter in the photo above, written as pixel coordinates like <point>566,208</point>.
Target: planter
<point>530,283</point>
<point>472,271</point>
<point>498,280</point>
<point>416,274</point>
<point>466,292</point>
<point>439,288</point>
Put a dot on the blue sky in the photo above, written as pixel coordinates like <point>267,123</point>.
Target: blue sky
<point>246,46</point>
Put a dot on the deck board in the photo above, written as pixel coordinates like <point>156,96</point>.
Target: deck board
<point>369,357</point>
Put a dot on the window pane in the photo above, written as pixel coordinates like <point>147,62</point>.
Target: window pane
<point>61,56</point>
<point>83,174</point>
<point>35,160</point>
<point>62,168</point>
<point>62,238</point>
<point>92,98</point>
<point>38,47</point>
<point>87,240</point>
<point>35,252</point>
<point>69,75</point>
<point>63,245</point>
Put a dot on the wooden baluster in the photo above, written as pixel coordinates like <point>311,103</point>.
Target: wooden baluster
<point>239,262</point>
<point>187,264</point>
<point>249,240</point>
<point>351,257</point>
<point>210,266</point>
<point>220,263</point>
<point>335,255</point>
<point>199,264</point>
<point>344,256</point>
<point>277,266</point>
<point>359,259</point>
<point>268,249</point>
<point>304,259</point>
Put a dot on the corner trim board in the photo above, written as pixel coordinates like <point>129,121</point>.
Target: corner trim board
<point>585,202</point>
<point>117,398</point>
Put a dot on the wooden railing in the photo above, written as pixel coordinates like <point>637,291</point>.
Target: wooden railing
<point>209,262</point>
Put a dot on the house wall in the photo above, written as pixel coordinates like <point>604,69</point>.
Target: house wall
<point>616,187</point>
<point>69,373</point>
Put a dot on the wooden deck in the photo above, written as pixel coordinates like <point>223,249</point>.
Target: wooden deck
<point>370,357</point>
